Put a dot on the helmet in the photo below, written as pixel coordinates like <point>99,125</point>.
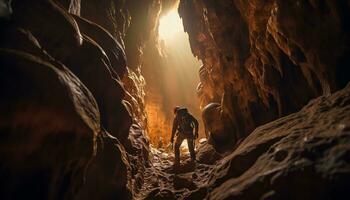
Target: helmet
<point>179,109</point>
<point>176,109</point>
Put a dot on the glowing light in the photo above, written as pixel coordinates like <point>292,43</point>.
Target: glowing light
<point>178,79</point>
<point>184,145</point>
<point>170,25</point>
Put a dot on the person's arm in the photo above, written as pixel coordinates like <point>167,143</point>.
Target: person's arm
<point>175,125</point>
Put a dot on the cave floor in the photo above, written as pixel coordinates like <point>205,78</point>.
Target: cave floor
<point>163,181</point>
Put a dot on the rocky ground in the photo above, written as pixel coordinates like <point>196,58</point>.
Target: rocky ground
<point>163,181</point>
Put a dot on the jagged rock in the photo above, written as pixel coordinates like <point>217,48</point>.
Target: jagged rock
<point>206,154</point>
<point>304,155</point>
<point>184,181</point>
<point>135,83</point>
<point>263,59</point>
<point>158,194</point>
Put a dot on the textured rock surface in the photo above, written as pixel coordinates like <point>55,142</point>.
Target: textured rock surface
<point>265,59</point>
<point>72,114</point>
<point>304,155</point>
<point>214,124</point>
<point>59,39</point>
<point>52,34</point>
<point>113,50</point>
<point>134,24</point>
<point>98,78</point>
<point>41,161</point>
<point>57,141</point>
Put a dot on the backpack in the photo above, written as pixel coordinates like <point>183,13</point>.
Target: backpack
<point>185,122</point>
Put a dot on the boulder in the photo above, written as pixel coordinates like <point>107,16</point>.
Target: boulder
<point>215,130</point>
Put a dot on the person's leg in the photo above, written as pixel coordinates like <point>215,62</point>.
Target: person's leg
<point>190,143</point>
<point>177,145</point>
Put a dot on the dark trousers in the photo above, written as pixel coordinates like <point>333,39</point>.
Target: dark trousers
<point>179,139</point>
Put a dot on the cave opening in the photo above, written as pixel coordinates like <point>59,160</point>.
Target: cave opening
<point>173,81</point>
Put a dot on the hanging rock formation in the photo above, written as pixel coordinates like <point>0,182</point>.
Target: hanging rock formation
<point>265,59</point>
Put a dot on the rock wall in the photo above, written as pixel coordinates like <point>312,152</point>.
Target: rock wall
<point>72,111</point>
<point>304,155</point>
<point>135,25</point>
<point>49,124</point>
<point>265,59</point>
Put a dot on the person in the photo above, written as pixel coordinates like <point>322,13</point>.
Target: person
<point>183,126</point>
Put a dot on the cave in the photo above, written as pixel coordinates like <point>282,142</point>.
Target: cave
<point>88,91</point>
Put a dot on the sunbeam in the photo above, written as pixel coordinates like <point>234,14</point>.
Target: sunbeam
<point>170,25</point>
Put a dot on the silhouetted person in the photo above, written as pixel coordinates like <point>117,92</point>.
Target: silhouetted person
<point>183,126</point>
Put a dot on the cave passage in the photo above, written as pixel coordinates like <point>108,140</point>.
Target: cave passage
<point>88,89</point>
<point>176,81</point>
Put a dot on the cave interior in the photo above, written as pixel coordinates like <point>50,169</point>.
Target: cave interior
<point>88,90</point>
